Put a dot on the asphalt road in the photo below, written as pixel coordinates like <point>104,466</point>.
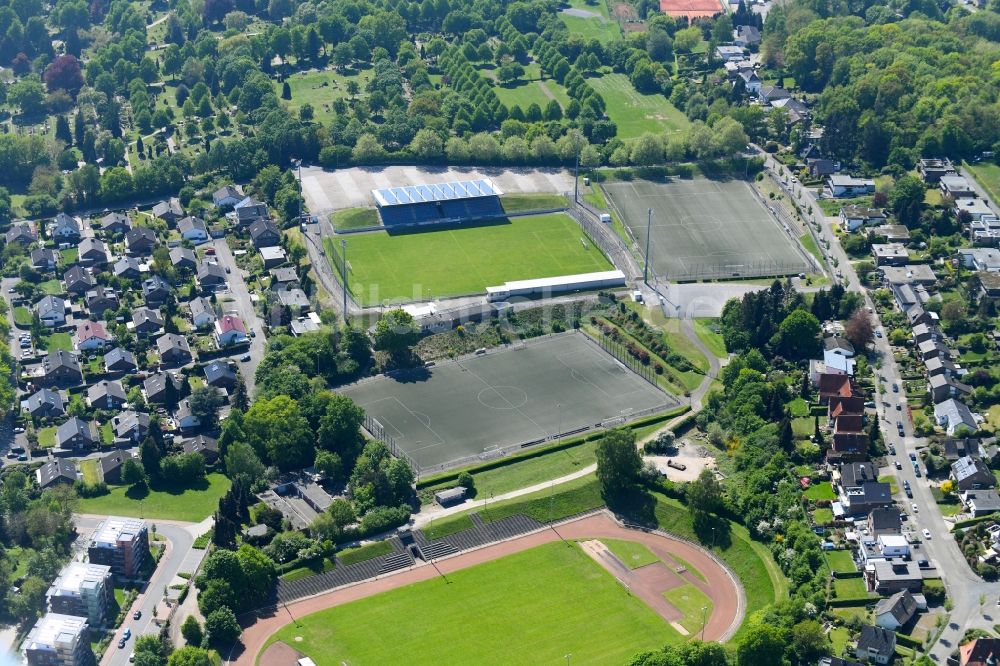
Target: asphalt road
<point>244,307</point>
<point>181,542</point>
<point>964,588</point>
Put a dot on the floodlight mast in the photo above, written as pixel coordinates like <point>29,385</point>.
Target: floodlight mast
<point>645,268</point>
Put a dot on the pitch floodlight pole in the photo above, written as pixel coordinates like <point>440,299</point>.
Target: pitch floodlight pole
<point>343,259</point>
<point>576,178</point>
<point>645,268</point>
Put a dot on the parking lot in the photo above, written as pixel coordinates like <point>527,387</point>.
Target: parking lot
<point>327,191</point>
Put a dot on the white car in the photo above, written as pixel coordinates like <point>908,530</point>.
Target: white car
<point>927,534</point>
<point>913,505</point>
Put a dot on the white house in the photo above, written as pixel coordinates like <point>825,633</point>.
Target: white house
<point>91,335</point>
<point>202,312</point>
<point>842,185</point>
<point>953,413</point>
<point>229,330</point>
<point>51,311</point>
<point>853,218</point>
<point>193,229</point>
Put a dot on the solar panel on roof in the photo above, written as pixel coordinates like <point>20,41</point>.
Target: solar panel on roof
<point>433,192</point>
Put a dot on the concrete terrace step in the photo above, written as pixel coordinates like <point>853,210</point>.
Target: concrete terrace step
<point>395,562</point>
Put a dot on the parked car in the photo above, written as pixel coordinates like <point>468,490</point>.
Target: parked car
<point>913,505</point>
<point>926,533</point>
<point>899,465</point>
<point>892,450</point>
<point>121,643</point>
<point>878,333</point>
<point>913,456</point>
<point>136,615</point>
<point>245,358</point>
<point>22,458</point>
<point>128,633</point>
<point>895,388</point>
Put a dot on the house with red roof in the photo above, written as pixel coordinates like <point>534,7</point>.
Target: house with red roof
<point>91,335</point>
<point>229,330</point>
<point>980,652</point>
<point>833,386</point>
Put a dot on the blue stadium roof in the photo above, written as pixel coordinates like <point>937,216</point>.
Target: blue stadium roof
<point>412,194</point>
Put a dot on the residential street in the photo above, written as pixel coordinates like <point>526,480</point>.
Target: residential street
<point>963,586</point>
<point>178,557</point>
<point>242,305</point>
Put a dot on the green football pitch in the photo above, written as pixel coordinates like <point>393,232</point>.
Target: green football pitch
<point>428,263</point>
<point>533,607</point>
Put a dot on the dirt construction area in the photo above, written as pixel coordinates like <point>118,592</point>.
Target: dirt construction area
<point>714,581</point>
<point>327,191</point>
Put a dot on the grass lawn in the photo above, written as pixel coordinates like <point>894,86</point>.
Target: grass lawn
<point>599,27</point>
<point>525,203</point>
<point>891,480</point>
<point>58,341</point>
<point>354,218</point>
<point>635,113</point>
<point>849,613</point>
<point>523,93</point>
<point>840,561</point>
<point>803,427</point>
<point>708,333</point>
<point>533,470</point>
<point>751,561</point>
<point>839,638</point>
<point>987,174</point>
<point>563,500</point>
<point>809,243</point>
<point>820,491</point>
<point>298,573</point>
<point>192,505</point>
<point>631,553</point>
<point>691,601</point>
<point>319,89</point>
<point>831,207</point>
<point>822,516</point>
<point>850,588</point>
<point>51,287</point>
<point>89,470</point>
<point>554,599</point>
<point>22,316</point>
<point>798,407</point>
<point>19,556</point>
<point>366,552</point>
<point>47,437</point>
<point>69,256</point>
<point>465,260</point>
<point>538,469</point>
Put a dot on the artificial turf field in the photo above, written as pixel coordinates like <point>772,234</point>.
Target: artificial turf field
<point>434,263</point>
<point>532,607</point>
<point>463,408</point>
<point>706,229</point>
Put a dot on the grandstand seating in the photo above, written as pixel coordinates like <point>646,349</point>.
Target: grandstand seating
<point>443,203</point>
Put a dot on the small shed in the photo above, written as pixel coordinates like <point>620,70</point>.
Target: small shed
<point>451,496</point>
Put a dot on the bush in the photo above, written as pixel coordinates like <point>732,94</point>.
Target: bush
<point>90,490</point>
<point>466,481</point>
<point>382,518</point>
